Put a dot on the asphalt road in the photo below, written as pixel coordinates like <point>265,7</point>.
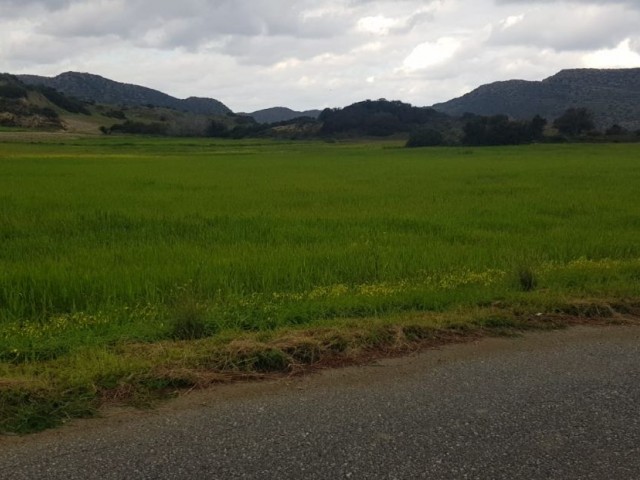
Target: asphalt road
<point>563,405</point>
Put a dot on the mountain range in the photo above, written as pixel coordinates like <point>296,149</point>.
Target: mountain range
<point>94,88</point>
<point>612,95</point>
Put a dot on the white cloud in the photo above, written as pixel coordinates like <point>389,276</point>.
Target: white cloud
<point>379,24</point>
<point>511,21</point>
<point>621,56</point>
<point>429,54</point>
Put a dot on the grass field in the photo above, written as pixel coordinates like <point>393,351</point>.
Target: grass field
<point>130,265</point>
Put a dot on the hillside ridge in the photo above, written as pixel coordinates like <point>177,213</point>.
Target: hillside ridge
<point>95,88</point>
<point>613,95</point>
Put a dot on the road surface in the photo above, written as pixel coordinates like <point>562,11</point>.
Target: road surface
<point>562,405</point>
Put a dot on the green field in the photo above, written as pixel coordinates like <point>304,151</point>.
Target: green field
<point>111,243</point>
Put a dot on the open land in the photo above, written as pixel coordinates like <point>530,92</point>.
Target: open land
<point>131,267</point>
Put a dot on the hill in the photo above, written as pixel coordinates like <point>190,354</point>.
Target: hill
<point>40,107</point>
<point>94,88</point>
<point>381,118</point>
<point>23,106</point>
<point>612,95</point>
<point>281,114</point>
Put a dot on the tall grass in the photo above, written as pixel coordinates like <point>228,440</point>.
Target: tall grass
<point>105,240</point>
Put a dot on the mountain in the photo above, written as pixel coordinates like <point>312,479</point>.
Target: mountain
<point>612,95</point>
<point>24,106</point>
<point>94,88</point>
<point>281,114</point>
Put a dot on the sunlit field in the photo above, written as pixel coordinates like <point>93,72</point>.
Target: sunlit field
<point>113,241</point>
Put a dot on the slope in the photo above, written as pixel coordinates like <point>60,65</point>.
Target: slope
<point>95,88</point>
<point>612,95</point>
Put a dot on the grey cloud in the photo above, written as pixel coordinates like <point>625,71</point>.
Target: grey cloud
<point>260,32</point>
<point>206,20</point>
<point>19,8</point>
<point>48,4</point>
<point>569,29</point>
<point>412,22</point>
<point>632,3</point>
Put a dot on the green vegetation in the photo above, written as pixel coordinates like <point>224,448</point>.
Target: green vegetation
<point>64,102</point>
<point>499,130</point>
<point>379,118</point>
<point>139,128</point>
<point>132,266</point>
<point>575,121</point>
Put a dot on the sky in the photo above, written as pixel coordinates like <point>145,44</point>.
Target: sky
<point>303,54</point>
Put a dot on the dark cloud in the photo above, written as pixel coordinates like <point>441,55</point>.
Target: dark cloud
<point>238,27</point>
<point>313,53</point>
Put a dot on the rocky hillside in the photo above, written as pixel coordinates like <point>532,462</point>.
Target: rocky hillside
<point>612,95</point>
<point>98,89</point>
<point>22,106</point>
<point>281,114</point>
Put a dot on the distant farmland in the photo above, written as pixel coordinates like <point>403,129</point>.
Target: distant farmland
<point>110,243</point>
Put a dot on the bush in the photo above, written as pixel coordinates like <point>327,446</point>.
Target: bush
<point>12,91</point>
<point>527,279</point>
<point>574,121</point>
<point>119,114</point>
<point>425,138</point>
<point>217,129</point>
<point>189,322</point>
<point>69,104</point>
<point>46,112</point>
<point>140,128</point>
<point>500,130</point>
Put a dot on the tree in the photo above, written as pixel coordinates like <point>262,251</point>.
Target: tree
<point>12,91</point>
<point>425,138</point>
<point>217,129</point>
<point>537,127</point>
<point>615,130</point>
<point>574,121</point>
<point>495,130</point>
<point>139,128</point>
<point>70,104</point>
<point>377,118</point>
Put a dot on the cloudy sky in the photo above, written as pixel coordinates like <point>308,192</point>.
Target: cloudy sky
<point>253,54</point>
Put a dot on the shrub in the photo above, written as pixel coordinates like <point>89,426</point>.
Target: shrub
<point>119,114</point>
<point>527,279</point>
<point>425,138</point>
<point>189,322</point>
<point>574,121</point>
<point>140,128</point>
<point>70,104</point>
<point>46,112</point>
<point>12,91</point>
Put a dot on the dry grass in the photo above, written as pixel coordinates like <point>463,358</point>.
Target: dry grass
<point>140,374</point>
